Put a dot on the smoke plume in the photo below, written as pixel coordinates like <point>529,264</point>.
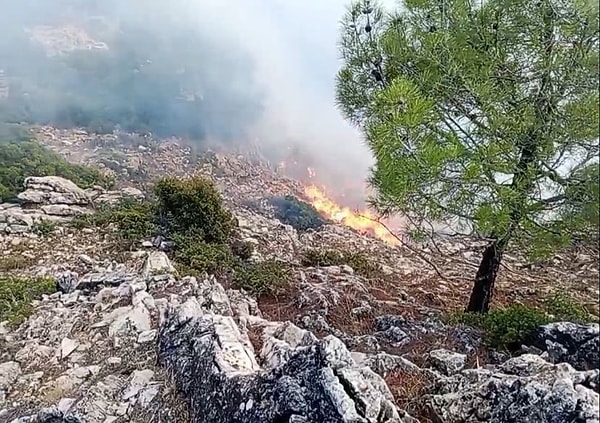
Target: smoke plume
<point>240,72</point>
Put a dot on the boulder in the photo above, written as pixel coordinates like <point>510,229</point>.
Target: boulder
<point>523,389</point>
<point>566,342</point>
<point>53,190</point>
<point>310,381</point>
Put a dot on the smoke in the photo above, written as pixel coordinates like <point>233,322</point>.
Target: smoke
<point>240,72</point>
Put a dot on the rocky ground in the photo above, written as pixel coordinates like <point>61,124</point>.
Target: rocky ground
<point>128,338</point>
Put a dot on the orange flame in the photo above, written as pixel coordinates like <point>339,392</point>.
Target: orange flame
<point>363,222</point>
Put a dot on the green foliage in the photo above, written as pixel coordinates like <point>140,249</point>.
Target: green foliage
<point>134,219</point>
<point>194,208</point>
<point>190,212</point>
<point>506,327</point>
<point>359,261</point>
<point>197,256</point>
<point>17,293</point>
<point>19,160</point>
<point>485,113</point>
<point>242,249</point>
<point>581,212</point>
<point>298,214</point>
<point>262,278</point>
<point>44,227</point>
<point>562,307</point>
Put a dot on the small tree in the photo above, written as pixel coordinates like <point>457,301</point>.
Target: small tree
<point>479,113</point>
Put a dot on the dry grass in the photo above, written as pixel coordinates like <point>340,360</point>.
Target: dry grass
<point>255,336</point>
<point>409,390</point>
<point>15,262</point>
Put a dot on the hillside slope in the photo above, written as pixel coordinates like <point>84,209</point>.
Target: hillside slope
<point>365,338</point>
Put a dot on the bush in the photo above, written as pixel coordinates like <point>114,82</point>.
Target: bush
<point>133,218</point>
<point>262,278</point>
<point>44,227</point>
<point>562,307</point>
<point>298,214</point>
<point>17,293</point>
<point>193,208</point>
<point>196,256</point>
<point>505,328</point>
<point>357,260</point>
<point>242,249</point>
<point>19,160</point>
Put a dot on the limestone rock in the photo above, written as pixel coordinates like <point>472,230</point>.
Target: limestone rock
<point>317,382</point>
<point>53,190</point>
<point>576,344</point>
<point>157,262</point>
<point>447,362</point>
<point>525,388</point>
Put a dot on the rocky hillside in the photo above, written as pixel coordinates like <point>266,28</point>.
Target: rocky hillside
<point>100,330</point>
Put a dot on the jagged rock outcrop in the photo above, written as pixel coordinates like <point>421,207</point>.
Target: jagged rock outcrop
<point>53,190</point>
<point>523,389</point>
<point>566,342</point>
<point>57,200</point>
<point>304,380</point>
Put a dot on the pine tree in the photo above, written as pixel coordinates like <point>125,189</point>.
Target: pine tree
<point>483,114</point>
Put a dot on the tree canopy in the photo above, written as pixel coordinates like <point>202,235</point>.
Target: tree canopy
<point>479,114</point>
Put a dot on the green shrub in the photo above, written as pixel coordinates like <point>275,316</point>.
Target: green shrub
<point>261,278</point>
<point>19,160</point>
<point>197,256</point>
<point>193,208</point>
<point>357,260</point>
<point>44,227</point>
<point>562,307</point>
<point>298,214</point>
<point>242,249</point>
<point>17,293</point>
<point>134,219</point>
<point>504,327</point>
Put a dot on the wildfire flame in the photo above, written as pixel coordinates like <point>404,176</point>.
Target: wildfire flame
<point>364,221</point>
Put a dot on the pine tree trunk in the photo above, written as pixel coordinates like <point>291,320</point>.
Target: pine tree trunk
<point>483,288</point>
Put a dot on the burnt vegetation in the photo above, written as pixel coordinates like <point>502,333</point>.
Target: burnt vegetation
<point>296,213</point>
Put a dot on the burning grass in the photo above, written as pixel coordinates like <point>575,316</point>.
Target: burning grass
<point>363,221</point>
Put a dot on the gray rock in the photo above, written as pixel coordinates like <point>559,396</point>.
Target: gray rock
<point>67,282</point>
<point>67,346</point>
<point>157,262</point>
<point>9,372</point>
<point>523,389</point>
<point>316,382</point>
<point>447,362</point>
<point>383,363</point>
<point>49,415</point>
<point>139,380</point>
<point>64,210</point>
<point>91,281</point>
<point>53,190</point>
<point>566,342</point>
<point>136,318</point>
